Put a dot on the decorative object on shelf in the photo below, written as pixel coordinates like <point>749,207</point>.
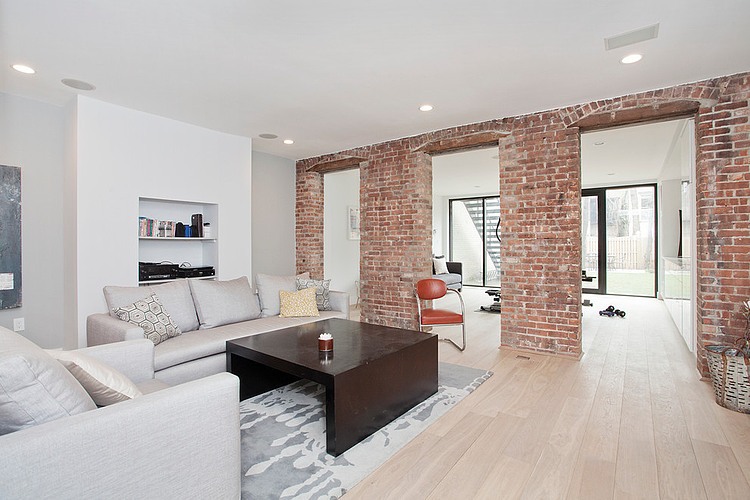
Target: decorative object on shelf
<point>196,224</point>
<point>10,237</point>
<point>728,367</point>
<point>354,223</point>
<point>207,230</point>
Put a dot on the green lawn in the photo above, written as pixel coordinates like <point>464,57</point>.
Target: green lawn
<point>630,283</point>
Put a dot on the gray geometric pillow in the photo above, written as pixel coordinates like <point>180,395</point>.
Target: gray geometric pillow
<point>150,315</point>
<point>322,288</point>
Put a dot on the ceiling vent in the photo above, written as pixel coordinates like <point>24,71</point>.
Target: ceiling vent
<point>631,37</point>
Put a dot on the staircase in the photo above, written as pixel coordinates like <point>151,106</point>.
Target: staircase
<point>476,212</point>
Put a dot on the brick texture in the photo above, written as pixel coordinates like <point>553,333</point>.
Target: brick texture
<point>540,213</point>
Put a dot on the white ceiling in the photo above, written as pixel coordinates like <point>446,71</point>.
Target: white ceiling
<point>335,74</point>
<point>468,173</point>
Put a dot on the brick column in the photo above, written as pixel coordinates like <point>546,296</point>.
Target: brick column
<point>396,244</point>
<point>540,232</point>
<point>723,213</point>
<point>309,221</point>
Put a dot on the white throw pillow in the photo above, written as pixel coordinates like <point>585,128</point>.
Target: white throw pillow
<point>104,384</point>
<point>269,288</point>
<point>150,315</point>
<point>34,388</point>
<point>224,302</point>
<point>441,267</point>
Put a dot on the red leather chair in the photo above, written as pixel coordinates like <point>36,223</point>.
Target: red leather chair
<point>431,289</point>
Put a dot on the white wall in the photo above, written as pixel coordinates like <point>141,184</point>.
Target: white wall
<point>123,154</point>
<point>341,255</point>
<point>678,160</point>
<point>440,225</point>
<point>274,198</point>
<point>32,136</point>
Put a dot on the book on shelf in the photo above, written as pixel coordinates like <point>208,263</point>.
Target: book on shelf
<point>155,228</point>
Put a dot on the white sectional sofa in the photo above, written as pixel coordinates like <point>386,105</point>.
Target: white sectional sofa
<point>169,442</point>
<point>208,314</point>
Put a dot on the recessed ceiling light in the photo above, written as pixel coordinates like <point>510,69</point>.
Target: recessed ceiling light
<point>288,141</point>
<point>611,173</point>
<point>599,143</point>
<point>632,58</point>
<point>268,136</point>
<point>425,107</point>
<point>77,84</point>
<point>22,68</point>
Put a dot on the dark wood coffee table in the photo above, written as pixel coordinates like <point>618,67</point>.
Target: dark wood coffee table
<point>374,374</point>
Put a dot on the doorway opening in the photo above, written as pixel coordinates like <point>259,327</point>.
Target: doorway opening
<point>619,240</point>
<point>638,215</point>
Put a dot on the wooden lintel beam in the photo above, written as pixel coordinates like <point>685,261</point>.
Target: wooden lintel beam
<point>477,140</point>
<point>336,165</point>
<point>636,115</point>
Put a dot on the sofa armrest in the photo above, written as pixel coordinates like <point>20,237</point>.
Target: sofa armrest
<point>180,442</point>
<point>339,302</point>
<point>134,358</point>
<point>104,329</point>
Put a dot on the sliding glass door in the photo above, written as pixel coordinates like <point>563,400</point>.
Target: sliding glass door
<point>619,240</point>
<point>475,239</point>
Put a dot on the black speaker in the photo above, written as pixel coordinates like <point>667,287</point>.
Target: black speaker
<point>196,224</point>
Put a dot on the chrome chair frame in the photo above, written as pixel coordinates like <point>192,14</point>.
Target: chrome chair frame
<point>463,323</point>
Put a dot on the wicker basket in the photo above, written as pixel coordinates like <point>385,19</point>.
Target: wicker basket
<point>729,374</point>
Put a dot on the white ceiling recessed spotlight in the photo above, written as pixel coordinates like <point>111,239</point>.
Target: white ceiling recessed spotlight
<point>426,107</point>
<point>77,84</point>
<point>268,136</point>
<point>599,143</point>
<point>22,68</point>
<point>288,141</point>
<point>631,58</point>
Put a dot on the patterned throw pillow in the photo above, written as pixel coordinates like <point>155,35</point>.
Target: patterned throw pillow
<point>298,304</point>
<point>322,288</point>
<point>150,315</point>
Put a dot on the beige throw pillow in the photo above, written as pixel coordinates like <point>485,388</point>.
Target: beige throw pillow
<point>104,384</point>
<point>298,304</point>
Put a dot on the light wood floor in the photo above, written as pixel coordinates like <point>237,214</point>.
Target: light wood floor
<point>630,420</point>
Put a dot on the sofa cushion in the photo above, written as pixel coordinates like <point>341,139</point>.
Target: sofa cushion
<point>203,343</point>
<point>174,296</point>
<point>34,387</point>
<point>150,315</point>
<point>103,383</point>
<point>449,279</point>
<point>322,291</point>
<point>298,304</point>
<point>439,264</point>
<point>223,302</point>
<point>269,288</point>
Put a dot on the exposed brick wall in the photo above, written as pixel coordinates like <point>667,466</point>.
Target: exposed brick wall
<point>309,221</point>
<point>540,212</point>
<point>540,227</point>
<point>723,206</point>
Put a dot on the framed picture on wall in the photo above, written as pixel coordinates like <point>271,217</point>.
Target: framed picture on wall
<point>353,220</point>
<point>10,237</point>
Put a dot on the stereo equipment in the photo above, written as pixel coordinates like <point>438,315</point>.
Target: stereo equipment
<point>150,271</point>
<point>195,272</point>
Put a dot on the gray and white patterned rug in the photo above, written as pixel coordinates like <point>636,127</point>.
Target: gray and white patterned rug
<point>284,447</point>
